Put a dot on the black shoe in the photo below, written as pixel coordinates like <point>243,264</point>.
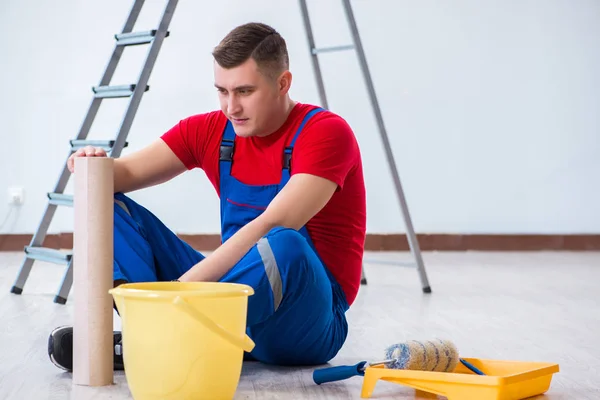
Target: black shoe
<point>60,349</point>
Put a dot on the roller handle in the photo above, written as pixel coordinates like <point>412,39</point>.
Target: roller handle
<point>471,367</point>
<point>338,373</point>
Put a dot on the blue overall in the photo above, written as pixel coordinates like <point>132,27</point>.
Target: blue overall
<point>297,314</point>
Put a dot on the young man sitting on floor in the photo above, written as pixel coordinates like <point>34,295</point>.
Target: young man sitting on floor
<point>292,203</point>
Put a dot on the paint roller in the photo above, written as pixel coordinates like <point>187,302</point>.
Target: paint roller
<point>432,355</point>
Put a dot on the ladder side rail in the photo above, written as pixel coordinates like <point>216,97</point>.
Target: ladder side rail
<point>313,54</point>
<point>412,238</point>
<point>143,78</point>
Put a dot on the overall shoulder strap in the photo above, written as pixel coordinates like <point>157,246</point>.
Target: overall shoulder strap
<point>226,149</point>
<point>287,156</point>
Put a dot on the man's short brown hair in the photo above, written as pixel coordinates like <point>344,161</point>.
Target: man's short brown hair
<point>253,40</point>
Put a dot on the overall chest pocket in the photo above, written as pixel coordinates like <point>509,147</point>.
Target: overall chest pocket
<point>259,207</point>
<point>256,198</point>
<point>243,205</point>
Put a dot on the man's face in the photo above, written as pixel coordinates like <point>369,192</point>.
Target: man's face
<point>248,98</point>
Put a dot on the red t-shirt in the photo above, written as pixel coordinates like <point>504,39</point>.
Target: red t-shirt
<point>326,147</point>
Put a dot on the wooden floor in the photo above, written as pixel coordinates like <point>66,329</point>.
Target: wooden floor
<point>514,306</point>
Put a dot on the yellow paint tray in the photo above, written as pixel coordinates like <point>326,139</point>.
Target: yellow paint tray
<point>503,380</point>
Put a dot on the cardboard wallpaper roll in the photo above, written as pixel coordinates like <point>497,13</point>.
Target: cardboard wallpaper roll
<point>93,203</point>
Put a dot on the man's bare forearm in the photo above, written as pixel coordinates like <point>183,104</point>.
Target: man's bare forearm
<point>150,166</point>
<point>120,177</point>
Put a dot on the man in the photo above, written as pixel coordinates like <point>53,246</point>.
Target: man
<point>292,196</point>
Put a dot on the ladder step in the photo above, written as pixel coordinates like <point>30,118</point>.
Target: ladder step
<point>61,199</point>
<point>103,144</point>
<point>46,254</point>
<point>115,91</point>
<point>135,38</point>
<point>332,48</point>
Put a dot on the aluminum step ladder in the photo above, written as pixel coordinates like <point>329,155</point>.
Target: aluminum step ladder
<point>314,51</point>
<point>104,90</point>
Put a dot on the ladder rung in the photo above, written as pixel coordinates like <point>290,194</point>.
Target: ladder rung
<point>332,48</point>
<point>46,254</point>
<point>103,144</point>
<point>61,199</point>
<point>115,91</point>
<point>135,38</point>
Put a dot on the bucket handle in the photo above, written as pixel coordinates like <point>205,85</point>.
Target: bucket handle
<point>246,343</point>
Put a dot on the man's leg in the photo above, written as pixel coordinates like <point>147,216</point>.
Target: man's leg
<point>297,314</point>
<point>145,250</point>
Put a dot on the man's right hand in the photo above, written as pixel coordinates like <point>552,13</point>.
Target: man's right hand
<point>153,164</point>
<point>87,151</point>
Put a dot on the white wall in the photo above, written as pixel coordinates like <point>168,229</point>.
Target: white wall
<point>492,107</point>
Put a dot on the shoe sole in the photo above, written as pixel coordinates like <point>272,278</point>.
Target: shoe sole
<point>118,349</point>
<point>51,346</point>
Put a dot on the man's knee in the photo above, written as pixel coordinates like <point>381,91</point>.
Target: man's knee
<point>290,251</point>
<point>287,235</point>
<point>120,203</point>
<point>288,244</point>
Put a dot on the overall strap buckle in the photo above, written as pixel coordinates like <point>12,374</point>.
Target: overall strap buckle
<point>226,151</point>
<point>287,155</point>
<point>287,158</point>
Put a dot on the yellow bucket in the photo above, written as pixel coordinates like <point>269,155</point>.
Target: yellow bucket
<point>183,340</point>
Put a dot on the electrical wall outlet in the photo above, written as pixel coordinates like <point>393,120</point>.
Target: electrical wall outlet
<point>16,196</point>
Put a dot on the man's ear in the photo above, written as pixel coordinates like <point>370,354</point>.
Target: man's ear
<point>284,82</point>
